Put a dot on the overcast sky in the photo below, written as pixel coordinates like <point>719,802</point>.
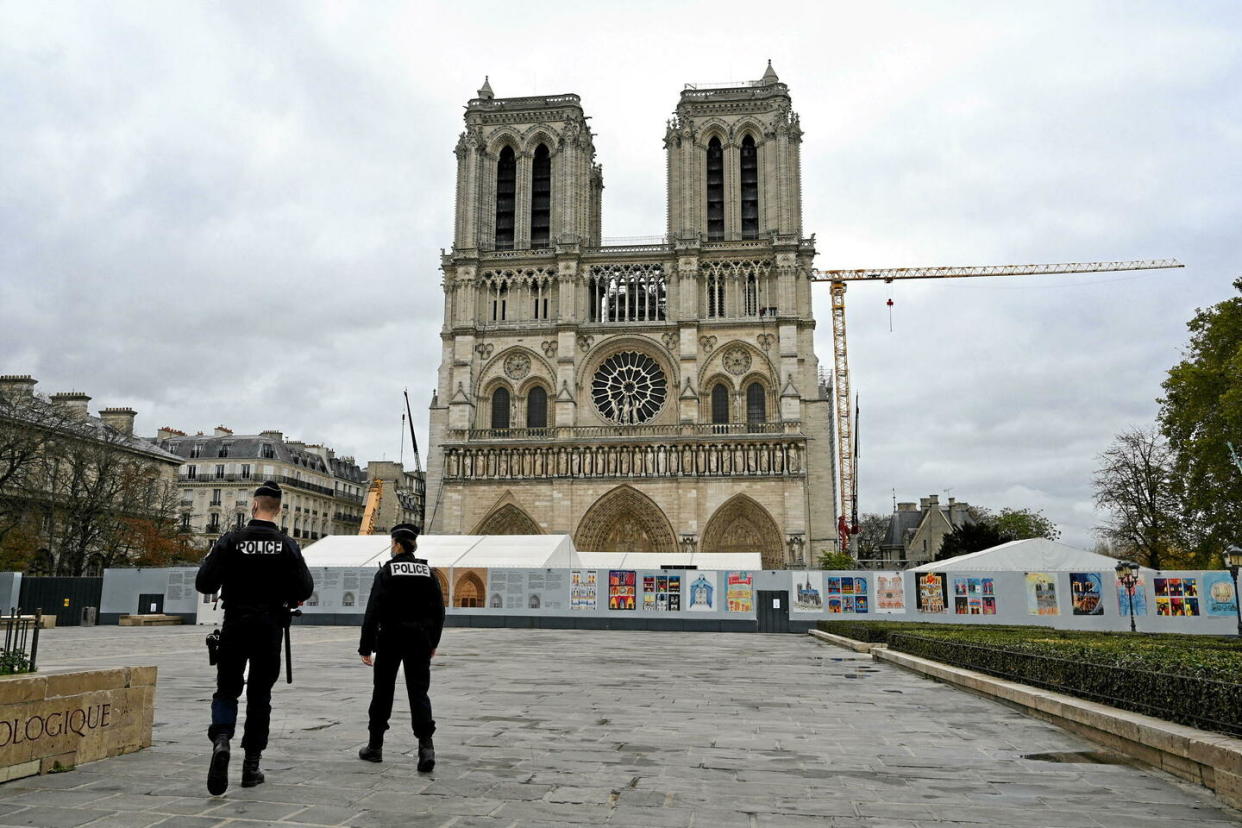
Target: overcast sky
<point>231,212</point>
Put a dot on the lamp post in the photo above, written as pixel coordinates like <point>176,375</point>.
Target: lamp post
<point>1233,560</point>
<point>1127,573</point>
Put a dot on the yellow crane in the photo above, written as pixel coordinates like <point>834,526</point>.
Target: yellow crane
<point>837,279</point>
<point>375,495</point>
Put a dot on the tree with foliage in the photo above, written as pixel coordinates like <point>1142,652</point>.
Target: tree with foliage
<point>971,537</point>
<point>836,560</point>
<point>872,532</point>
<point>1020,524</point>
<point>1200,413</point>
<point>1135,484</point>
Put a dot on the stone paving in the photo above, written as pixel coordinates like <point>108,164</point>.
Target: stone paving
<point>543,727</point>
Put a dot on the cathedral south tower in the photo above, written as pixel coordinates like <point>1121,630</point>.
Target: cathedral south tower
<point>643,398</point>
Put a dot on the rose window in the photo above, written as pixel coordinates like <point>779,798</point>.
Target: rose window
<point>629,388</point>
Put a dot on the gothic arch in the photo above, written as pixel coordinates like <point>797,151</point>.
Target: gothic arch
<point>761,365</point>
<point>494,369</point>
<point>540,134</point>
<point>742,525</point>
<point>507,520</point>
<point>469,591</point>
<point>443,582</point>
<point>748,126</point>
<point>505,136</point>
<point>625,520</point>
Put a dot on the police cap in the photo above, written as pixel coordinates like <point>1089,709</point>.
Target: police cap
<point>269,489</point>
<point>404,531</point>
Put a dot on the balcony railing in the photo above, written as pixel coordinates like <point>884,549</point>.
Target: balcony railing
<point>606,432</point>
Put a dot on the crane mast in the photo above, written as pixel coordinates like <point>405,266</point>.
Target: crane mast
<point>837,279</point>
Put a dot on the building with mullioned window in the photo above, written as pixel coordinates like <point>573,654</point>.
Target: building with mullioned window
<point>323,494</point>
<point>653,396</point>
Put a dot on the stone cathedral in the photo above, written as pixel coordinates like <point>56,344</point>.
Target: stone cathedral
<point>654,397</point>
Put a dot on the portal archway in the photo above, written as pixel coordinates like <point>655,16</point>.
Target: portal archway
<point>508,520</point>
<point>468,591</point>
<point>625,520</point>
<point>742,525</point>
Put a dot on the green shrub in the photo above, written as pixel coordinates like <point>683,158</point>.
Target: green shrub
<point>13,661</point>
<point>1193,680</point>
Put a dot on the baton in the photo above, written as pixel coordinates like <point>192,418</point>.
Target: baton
<point>289,646</point>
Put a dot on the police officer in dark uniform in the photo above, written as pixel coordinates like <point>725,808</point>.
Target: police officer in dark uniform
<point>261,575</point>
<point>405,616</point>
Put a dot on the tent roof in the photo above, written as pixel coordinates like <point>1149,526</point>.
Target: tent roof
<point>1030,555</point>
<point>515,551</point>
<point>714,561</point>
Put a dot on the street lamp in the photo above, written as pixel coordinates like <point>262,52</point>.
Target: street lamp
<point>1128,574</point>
<point>1233,560</point>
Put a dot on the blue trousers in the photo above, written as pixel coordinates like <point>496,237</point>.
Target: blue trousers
<point>253,640</point>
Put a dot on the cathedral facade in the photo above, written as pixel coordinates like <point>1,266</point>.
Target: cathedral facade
<point>653,397</point>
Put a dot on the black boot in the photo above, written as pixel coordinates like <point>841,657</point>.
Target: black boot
<point>218,771</point>
<point>251,775</point>
<point>426,755</point>
<point>374,751</point>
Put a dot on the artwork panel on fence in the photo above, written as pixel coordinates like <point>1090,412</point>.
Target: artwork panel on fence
<point>1220,596</point>
<point>1087,593</point>
<point>1176,597</point>
<point>661,591</point>
<point>700,591</point>
<point>1041,594</point>
<point>932,596</point>
<point>808,591</point>
<point>974,596</point>
<point>1123,598</point>
<point>741,592</point>
<point>583,589</point>
<point>890,596</point>
<point>846,594</point>
<point>622,590</point>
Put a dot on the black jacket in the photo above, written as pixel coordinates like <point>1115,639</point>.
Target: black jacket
<point>405,602</point>
<point>257,569</point>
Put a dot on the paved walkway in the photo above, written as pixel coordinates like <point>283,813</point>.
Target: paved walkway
<point>618,728</point>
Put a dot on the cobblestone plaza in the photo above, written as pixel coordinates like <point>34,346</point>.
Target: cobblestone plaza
<point>540,727</point>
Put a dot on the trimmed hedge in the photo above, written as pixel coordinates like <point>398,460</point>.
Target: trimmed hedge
<point>1193,680</point>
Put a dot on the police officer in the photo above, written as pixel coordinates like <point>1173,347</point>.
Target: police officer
<point>405,616</point>
<point>261,574</point>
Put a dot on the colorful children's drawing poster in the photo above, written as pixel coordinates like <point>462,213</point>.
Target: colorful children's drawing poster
<point>974,596</point>
<point>741,592</point>
<point>1041,594</point>
<point>622,589</point>
<point>1123,598</point>
<point>1176,597</point>
<point>701,591</point>
<point>808,592</point>
<point>890,595</point>
<point>1220,597</point>
<point>661,592</point>
<point>933,594</point>
<point>846,593</point>
<point>1087,593</point>
<point>583,589</point>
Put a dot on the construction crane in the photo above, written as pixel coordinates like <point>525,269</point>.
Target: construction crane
<point>375,496</point>
<point>837,279</point>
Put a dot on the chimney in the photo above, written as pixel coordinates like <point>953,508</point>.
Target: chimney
<point>272,435</point>
<point>19,385</point>
<point>905,507</point>
<point>168,432</point>
<point>933,501</point>
<point>119,419</point>
<point>221,431</point>
<point>73,402</point>
<point>923,504</point>
<point>952,500</point>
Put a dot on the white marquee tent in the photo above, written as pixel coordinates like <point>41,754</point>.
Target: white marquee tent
<point>1030,555</point>
<point>444,551</point>
<point>716,561</point>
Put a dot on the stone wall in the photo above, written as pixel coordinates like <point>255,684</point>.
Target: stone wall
<point>62,720</point>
